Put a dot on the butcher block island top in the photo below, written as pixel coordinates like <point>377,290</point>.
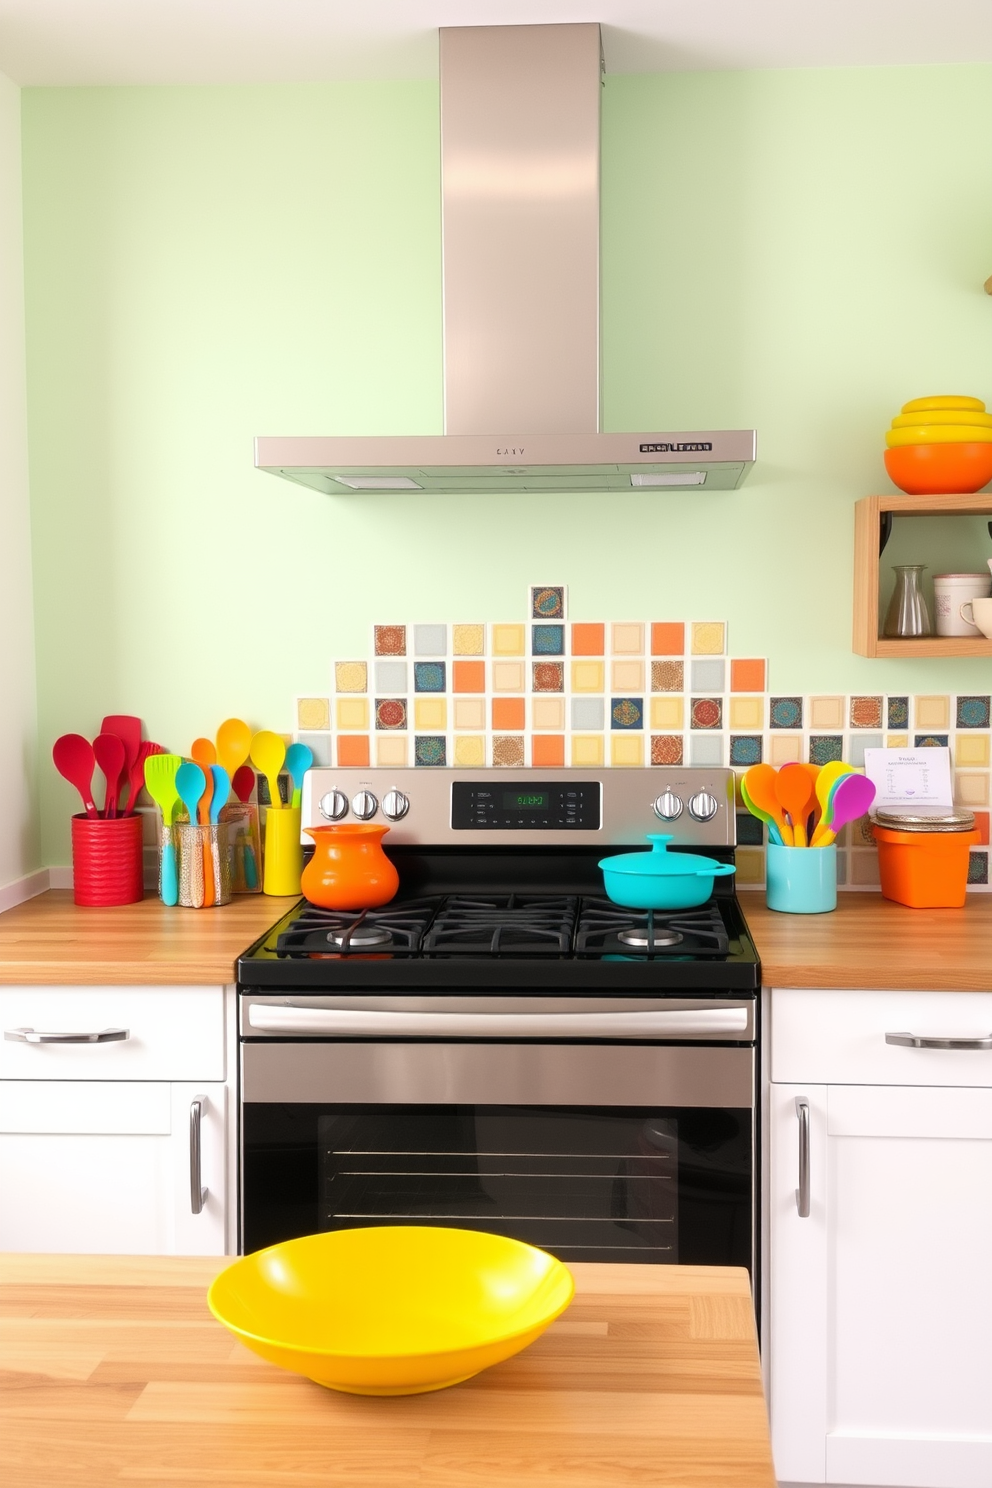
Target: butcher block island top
<point>115,1372</point>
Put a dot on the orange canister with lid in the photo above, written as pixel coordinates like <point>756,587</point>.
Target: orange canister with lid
<point>923,860</point>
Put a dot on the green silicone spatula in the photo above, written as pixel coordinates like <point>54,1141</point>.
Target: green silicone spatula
<point>160,783</point>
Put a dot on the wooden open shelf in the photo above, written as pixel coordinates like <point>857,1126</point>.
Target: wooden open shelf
<point>868,515</point>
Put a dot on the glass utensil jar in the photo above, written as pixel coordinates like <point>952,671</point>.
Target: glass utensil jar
<point>907,614</point>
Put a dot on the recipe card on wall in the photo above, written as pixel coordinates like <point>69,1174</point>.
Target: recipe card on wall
<point>910,780</point>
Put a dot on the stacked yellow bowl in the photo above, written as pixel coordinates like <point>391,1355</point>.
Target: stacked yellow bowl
<point>940,446</point>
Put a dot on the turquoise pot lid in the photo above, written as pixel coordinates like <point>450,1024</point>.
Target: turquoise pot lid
<point>660,863</point>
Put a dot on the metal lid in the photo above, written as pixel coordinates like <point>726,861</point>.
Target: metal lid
<point>945,821</point>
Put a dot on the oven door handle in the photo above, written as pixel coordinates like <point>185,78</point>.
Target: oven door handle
<point>351,1022</point>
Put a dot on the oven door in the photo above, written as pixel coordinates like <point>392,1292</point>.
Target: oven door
<point>624,1146</point>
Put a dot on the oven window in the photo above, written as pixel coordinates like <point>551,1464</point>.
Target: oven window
<point>661,1186</point>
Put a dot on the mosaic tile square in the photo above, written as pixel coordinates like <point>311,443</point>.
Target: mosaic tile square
<point>866,712</point>
<point>547,640</point>
<point>389,640</point>
<point>509,714</point>
<point>547,751</point>
<point>932,713</point>
<point>745,749</point>
<point>785,749</point>
<point>548,714</point>
<point>587,750</point>
<point>547,602</point>
<point>666,749</point>
<point>509,640</point>
<point>508,676</point>
<point>353,751</point>
<point>391,752</point>
<point>856,746</point>
<point>826,712</point>
<point>897,713</point>
<point>430,640</point>
<point>978,868</point>
<point>429,676</point>
<point>469,712</point>
<point>706,713</point>
<point>390,713</point>
<point>825,747</point>
<point>313,713</point>
<point>746,713</point>
<point>390,676</point>
<point>352,713</point>
<point>667,676</point>
<point>750,831</point>
<point>626,750</point>
<point>750,867</point>
<point>667,714</point>
<point>785,712</point>
<point>470,751</point>
<point>430,714</point>
<point>588,713</point>
<point>864,869</point>
<point>588,676</point>
<point>468,676</point>
<point>548,676</point>
<point>351,676</point>
<point>627,676</point>
<point>626,713</point>
<point>971,787</point>
<point>709,638</point>
<point>627,638</point>
<point>930,741</point>
<point>973,712</point>
<point>707,676</point>
<point>319,746</point>
<point>508,750</point>
<point>896,741</point>
<point>747,675</point>
<point>430,750</point>
<point>667,638</point>
<point>706,749</point>
<point>587,639</point>
<point>982,826</point>
<point>468,640</point>
<point>971,750</point>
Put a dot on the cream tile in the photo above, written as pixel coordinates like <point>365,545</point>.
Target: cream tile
<point>971,750</point>
<point>627,638</point>
<point>587,750</point>
<point>896,741</point>
<point>313,714</point>
<point>352,713</point>
<point>430,714</point>
<point>470,751</point>
<point>750,865</point>
<point>932,712</point>
<point>508,676</point>
<point>971,787</point>
<point>826,712</point>
<point>864,868</point>
<point>709,638</point>
<point>469,712</point>
<point>627,676</point>
<point>667,714</point>
<point>588,676</point>
<point>747,714</point>
<point>351,676</point>
<point>784,748</point>
<point>626,749</point>
<point>547,714</point>
<point>468,640</point>
<point>391,751</point>
<point>509,640</point>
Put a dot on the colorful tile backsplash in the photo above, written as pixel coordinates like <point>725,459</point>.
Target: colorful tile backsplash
<point>545,692</point>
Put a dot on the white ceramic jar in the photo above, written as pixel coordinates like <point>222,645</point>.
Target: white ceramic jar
<point>950,590</point>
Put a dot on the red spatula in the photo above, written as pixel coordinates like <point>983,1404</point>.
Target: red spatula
<point>75,762</point>
<point>108,750</point>
<point>128,730</point>
<point>136,774</point>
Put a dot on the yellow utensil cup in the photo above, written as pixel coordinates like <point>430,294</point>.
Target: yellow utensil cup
<point>283,852</point>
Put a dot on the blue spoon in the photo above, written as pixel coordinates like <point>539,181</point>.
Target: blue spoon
<point>191,783</point>
<point>299,758</point>
<point>222,790</point>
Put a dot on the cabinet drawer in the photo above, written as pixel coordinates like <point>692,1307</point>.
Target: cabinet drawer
<point>839,1037</point>
<point>173,1033</point>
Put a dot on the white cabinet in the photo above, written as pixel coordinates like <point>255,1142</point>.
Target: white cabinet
<point>880,1347</point>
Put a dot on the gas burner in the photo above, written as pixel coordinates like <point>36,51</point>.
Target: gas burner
<point>399,927</point>
<point>659,940</point>
<point>605,929</point>
<point>522,924</point>
<point>361,936</point>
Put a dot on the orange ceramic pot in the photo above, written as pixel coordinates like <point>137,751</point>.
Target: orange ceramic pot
<point>939,469</point>
<point>349,869</point>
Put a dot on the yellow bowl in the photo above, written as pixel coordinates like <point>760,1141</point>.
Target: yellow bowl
<point>939,434</point>
<point>395,1310</point>
<point>948,400</point>
<point>956,416</point>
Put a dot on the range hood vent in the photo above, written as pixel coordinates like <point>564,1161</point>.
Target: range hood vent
<point>520,178</point>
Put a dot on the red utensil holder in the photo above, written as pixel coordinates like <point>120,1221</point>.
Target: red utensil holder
<point>107,860</point>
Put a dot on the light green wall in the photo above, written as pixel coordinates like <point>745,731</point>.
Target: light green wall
<point>798,251</point>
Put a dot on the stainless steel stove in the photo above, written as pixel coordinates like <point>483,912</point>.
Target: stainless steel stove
<point>502,1046</point>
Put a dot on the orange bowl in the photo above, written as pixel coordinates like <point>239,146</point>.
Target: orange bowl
<point>939,469</point>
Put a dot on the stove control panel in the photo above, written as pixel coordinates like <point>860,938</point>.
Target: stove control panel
<point>529,805</point>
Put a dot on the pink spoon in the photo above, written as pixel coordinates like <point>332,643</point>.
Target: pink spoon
<point>851,799</point>
<point>75,762</point>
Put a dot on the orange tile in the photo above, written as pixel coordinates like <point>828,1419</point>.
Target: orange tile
<point>548,750</point>
<point>469,676</point>
<point>508,713</point>
<point>667,638</point>
<point>982,825</point>
<point>353,749</point>
<point>747,676</point>
<point>588,640</point>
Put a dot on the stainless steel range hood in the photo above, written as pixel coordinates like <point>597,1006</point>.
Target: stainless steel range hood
<point>520,177</point>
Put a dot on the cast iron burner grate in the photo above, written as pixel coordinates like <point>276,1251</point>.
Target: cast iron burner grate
<point>607,929</point>
<point>396,927</point>
<point>525,924</point>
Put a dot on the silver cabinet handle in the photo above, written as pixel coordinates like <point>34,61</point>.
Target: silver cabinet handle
<point>802,1192</point>
<point>35,1036</point>
<point>197,1193</point>
<point>680,1023</point>
<point>923,1041</point>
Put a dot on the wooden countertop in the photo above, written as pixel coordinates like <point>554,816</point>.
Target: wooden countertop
<point>116,1371</point>
<point>50,940</point>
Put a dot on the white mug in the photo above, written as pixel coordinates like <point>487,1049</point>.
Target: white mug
<point>950,592</point>
<point>981,615</point>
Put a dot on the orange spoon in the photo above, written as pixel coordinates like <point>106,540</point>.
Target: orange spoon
<point>760,781</point>
<point>205,755</point>
<point>813,771</point>
<point>796,794</point>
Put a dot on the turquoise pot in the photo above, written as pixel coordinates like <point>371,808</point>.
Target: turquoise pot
<point>801,880</point>
<point>659,879</point>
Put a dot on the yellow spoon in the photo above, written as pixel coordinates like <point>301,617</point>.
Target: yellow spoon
<point>233,744</point>
<point>826,780</point>
<point>268,754</point>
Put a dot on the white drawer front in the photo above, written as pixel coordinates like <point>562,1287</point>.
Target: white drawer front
<point>839,1037</point>
<point>86,1107</point>
<point>174,1033</point>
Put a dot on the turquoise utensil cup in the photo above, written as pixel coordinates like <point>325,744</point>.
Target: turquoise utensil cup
<point>801,880</point>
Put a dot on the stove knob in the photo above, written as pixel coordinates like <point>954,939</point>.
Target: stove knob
<point>703,806</point>
<point>395,805</point>
<point>365,805</point>
<point>668,806</point>
<point>334,805</point>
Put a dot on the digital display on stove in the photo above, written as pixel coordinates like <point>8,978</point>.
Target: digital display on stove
<point>543,806</point>
<point>521,800</point>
